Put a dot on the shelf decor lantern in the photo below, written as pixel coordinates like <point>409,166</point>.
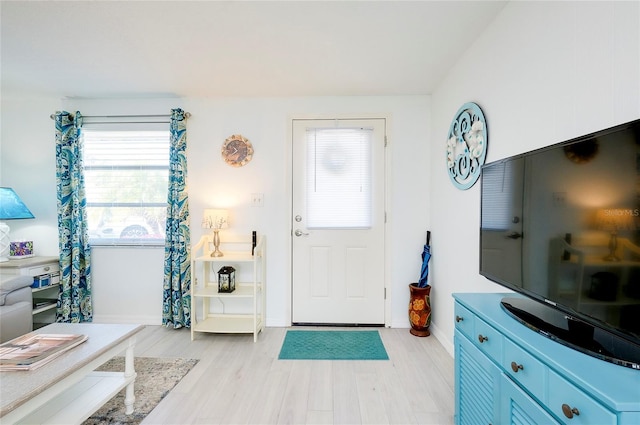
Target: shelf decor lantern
<point>227,279</point>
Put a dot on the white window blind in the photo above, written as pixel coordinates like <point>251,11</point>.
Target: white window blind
<point>126,180</point>
<point>497,196</point>
<point>339,178</point>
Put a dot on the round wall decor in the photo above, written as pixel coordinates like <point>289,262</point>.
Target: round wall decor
<point>237,150</point>
<point>466,146</point>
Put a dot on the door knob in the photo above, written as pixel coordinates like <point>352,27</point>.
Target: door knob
<point>300,233</point>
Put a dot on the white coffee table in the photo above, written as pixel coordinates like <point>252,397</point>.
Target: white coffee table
<point>68,389</point>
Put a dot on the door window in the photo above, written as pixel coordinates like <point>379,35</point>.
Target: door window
<point>339,178</point>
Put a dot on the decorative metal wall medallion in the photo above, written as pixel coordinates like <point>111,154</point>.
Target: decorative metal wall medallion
<point>466,146</point>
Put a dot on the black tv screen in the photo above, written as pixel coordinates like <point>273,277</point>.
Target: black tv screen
<point>561,225</point>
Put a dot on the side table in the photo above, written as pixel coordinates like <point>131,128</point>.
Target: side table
<point>45,271</point>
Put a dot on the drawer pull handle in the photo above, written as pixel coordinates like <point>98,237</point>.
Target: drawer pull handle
<point>569,411</point>
<point>482,338</point>
<point>515,367</point>
<point>46,269</point>
<point>459,319</point>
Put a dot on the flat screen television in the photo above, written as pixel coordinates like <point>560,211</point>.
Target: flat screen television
<point>561,225</point>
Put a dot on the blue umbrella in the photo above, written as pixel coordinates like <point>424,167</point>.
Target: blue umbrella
<point>426,256</point>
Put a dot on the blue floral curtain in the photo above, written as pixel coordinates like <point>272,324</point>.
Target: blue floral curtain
<point>176,299</point>
<point>74,299</point>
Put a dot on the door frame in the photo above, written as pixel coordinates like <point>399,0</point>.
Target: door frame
<point>289,192</point>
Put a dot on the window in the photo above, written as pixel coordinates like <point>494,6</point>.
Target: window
<point>339,178</point>
<point>126,179</point>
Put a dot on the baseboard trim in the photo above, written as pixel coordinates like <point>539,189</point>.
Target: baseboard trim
<point>119,319</point>
<point>442,339</point>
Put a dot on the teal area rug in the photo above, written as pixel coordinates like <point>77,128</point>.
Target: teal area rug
<point>332,345</point>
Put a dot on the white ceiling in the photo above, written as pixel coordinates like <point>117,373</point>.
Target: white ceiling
<point>234,48</point>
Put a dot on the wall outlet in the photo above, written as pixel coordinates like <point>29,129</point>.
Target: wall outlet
<point>257,199</point>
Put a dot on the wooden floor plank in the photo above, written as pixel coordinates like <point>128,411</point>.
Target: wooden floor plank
<point>267,409</point>
<point>294,404</point>
<point>321,388</point>
<point>346,405</point>
<point>370,390</point>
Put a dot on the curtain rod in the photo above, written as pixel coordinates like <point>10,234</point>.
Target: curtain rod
<point>186,114</point>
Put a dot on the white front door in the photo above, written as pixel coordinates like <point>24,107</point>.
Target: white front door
<point>338,222</point>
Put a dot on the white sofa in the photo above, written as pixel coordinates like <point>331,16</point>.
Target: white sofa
<point>16,306</point>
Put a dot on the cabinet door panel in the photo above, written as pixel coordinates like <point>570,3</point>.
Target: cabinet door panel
<point>517,408</point>
<point>477,385</point>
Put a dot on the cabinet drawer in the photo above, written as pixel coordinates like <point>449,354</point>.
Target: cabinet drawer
<point>488,340</point>
<point>43,269</point>
<point>565,397</point>
<point>525,369</point>
<point>464,320</point>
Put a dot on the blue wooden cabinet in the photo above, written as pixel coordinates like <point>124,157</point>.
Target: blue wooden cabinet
<point>506,373</point>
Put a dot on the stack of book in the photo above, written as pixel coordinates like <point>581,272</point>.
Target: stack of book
<point>30,351</point>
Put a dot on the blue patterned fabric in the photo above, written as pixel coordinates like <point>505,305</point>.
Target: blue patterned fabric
<point>74,299</point>
<point>176,299</point>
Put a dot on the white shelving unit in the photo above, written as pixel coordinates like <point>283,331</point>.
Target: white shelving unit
<point>46,267</point>
<point>47,296</point>
<point>240,311</point>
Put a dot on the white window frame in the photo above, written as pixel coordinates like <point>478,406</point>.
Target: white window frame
<point>102,235</point>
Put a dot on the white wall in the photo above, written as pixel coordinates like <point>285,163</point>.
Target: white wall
<point>543,72</point>
<point>28,165</point>
<point>137,273</point>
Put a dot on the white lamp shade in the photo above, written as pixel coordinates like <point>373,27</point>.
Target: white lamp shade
<point>215,219</point>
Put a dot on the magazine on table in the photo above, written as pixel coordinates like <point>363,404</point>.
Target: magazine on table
<point>30,351</point>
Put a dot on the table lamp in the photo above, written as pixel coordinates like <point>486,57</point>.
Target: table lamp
<point>11,208</point>
<point>215,219</point>
<point>613,220</point>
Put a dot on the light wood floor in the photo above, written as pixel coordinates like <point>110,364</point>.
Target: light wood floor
<point>238,381</point>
